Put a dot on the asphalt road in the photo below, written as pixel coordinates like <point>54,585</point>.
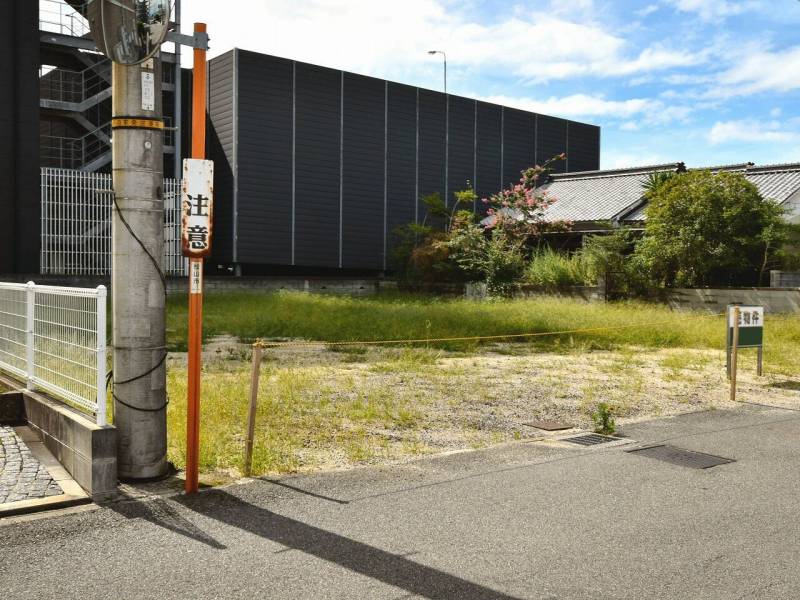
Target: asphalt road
<point>519,521</point>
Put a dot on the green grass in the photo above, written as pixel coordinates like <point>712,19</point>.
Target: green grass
<point>304,408</point>
<point>336,318</point>
<point>551,269</point>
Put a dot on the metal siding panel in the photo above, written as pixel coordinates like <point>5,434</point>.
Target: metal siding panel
<point>19,136</point>
<point>401,159</point>
<point>552,141</point>
<point>220,150</point>
<point>518,142</point>
<point>362,177</point>
<point>317,166</point>
<point>583,152</point>
<point>462,144</point>
<point>7,131</point>
<point>432,130</point>
<point>488,158</point>
<point>265,159</point>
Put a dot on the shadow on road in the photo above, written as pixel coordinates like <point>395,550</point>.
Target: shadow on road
<point>159,512</point>
<point>358,557</point>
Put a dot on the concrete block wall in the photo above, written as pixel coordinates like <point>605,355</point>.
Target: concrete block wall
<point>784,279</point>
<point>477,291</point>
<point>354,287</point>
<point>774,300</point>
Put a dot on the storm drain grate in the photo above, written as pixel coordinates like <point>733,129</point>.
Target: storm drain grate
<point>589,439</point>
<point>684,458</point>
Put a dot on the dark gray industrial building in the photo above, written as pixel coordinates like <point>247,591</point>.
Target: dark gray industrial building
<point>315,167</point>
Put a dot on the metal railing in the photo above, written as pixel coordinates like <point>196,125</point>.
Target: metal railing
<point>57,16</point>
<point>76,224</point>
<point>75,153</point>
<point>65,85</point>
<point>54,338</point>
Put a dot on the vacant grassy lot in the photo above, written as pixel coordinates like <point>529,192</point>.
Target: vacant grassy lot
<point>330,406</point>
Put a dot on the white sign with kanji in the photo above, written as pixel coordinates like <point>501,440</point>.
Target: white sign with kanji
<point>749,316</point>
<point>197,202</point>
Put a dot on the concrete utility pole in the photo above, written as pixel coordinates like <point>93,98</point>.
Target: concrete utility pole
<point>137,274</point>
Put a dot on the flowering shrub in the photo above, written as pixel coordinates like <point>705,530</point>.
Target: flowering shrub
<point>519,210</point>
<point>493,250</point>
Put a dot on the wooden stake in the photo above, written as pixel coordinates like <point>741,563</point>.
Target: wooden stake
<point>251,416</point>
<point>734,352</point>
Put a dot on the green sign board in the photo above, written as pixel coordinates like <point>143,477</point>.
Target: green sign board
<point>751,326</point>
<point>751,331</point>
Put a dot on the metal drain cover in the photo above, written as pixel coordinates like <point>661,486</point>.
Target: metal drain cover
<point>684,458</point>
<point>590,439</point>
<point>548,425</point>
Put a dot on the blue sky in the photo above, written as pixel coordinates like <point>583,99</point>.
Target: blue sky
<point>701,81</point>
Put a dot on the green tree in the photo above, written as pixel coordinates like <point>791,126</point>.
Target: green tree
<point>708,229</point>
<point>655,180</point>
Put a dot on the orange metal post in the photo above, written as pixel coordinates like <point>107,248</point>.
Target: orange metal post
<point>196,293</point>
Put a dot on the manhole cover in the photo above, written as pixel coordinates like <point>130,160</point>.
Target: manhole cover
<point>548,425</point>
<point>684,458</point>
<point>589,439</point>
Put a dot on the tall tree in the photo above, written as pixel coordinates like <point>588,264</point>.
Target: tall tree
<point>708,229</point>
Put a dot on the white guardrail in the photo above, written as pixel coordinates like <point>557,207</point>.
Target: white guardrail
<point>54,339</point>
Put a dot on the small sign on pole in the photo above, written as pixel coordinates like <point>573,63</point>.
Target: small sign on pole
<point>745,329</point>
<point>197,199</point>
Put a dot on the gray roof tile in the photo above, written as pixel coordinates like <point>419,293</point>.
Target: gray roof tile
<point>605,195</point>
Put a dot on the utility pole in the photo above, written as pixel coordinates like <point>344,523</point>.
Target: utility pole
<point>138,285</point>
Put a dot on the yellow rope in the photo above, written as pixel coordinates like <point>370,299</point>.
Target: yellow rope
<point>265,344</point>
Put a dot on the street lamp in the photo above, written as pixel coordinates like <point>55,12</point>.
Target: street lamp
<point>446,128</point>
<point>432,52</point>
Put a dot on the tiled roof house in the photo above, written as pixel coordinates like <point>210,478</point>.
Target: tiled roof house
<point>597,200</point>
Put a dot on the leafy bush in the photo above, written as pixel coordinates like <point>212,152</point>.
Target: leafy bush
<point>610,258</point>
<point>554,270</point>
<point>418,253</point>
<point>496,259</point>
<point>706,229</point>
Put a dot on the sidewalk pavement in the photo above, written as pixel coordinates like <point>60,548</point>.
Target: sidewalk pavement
<point>524,520</point>
<point>22,477</point>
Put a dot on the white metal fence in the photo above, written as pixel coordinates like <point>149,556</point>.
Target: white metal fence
<point>76,224</point>
<point>54,338</point>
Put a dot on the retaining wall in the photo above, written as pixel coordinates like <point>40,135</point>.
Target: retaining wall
<point>774,300</point>
<point>179,285</point>
<point>784,279</point>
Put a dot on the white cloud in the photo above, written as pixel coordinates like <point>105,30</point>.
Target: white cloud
<point>760,70</point>
<point>629,126</point>
<point>577,105</point>
<point>751,131</point>
<point>647,10</point>
<point>621,160</point>
<point>382,39</point>
<point>716,9</point>
<point>649,111</point>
